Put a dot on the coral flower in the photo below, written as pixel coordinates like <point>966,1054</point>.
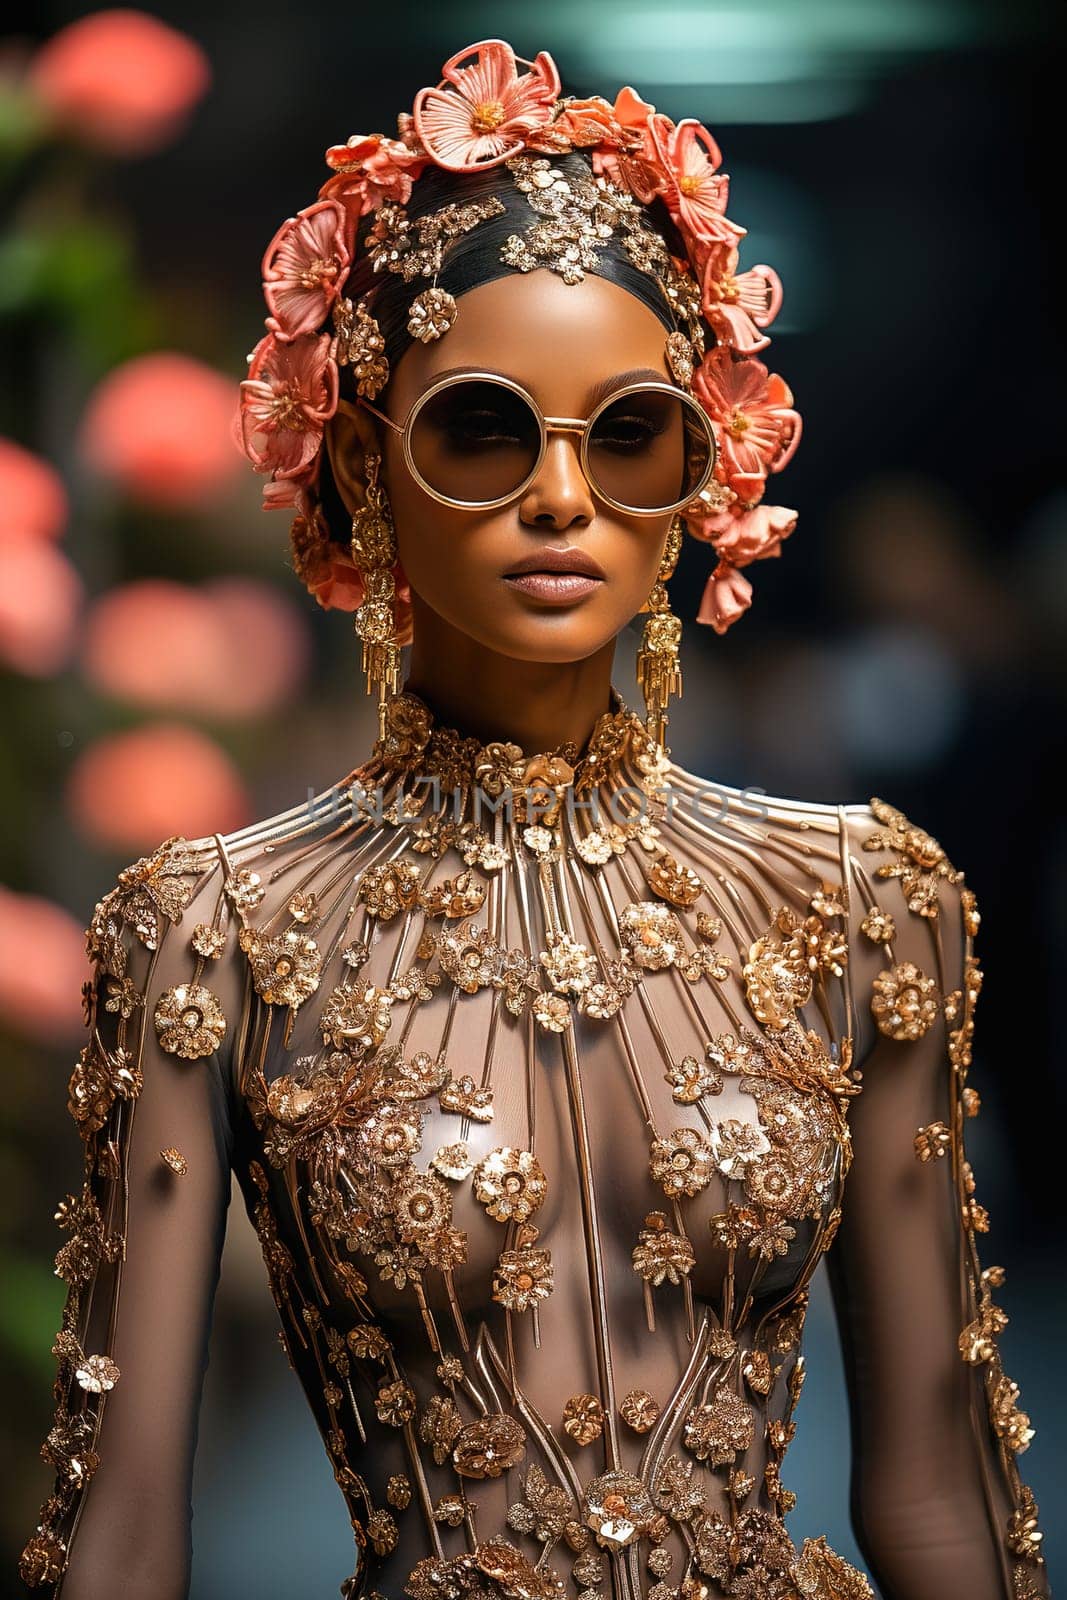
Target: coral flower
<point>303,269</point>
<point>628,156</point>
<point>159,427</point>
<point>33,501</point>
<point>727,596</point>
<point>371,169</point>
<point>758,429</point>
<point>288,396</point>
<point>742,535</point>
<point>697,191</point>
<point>739,305</point>
<point>479,115</point>
<point>337,583</point>
<point>120,79</point>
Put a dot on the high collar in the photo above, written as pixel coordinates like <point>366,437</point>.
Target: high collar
<point>417,744</point>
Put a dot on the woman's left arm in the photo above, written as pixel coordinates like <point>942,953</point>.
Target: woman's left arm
<point>938,1504</point>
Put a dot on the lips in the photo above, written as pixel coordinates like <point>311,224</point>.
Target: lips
<point>552,559</point>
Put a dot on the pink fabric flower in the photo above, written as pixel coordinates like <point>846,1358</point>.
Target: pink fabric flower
<point>758,430</point>
<point>739,305</point>
<point>743,534</point>
<point>120,79</point>
<point>697,191</point>
<point>479,115</point>
<point>303,269</point>
<point>632,162</point>
<point>370,169</point>
<point>339,586</point>
<point>289,395</point>
<point>727,596</point>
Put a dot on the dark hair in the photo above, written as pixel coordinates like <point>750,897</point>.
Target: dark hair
<point>474,259</point>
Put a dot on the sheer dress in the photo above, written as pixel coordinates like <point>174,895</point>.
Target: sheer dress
<point>547,1081</point>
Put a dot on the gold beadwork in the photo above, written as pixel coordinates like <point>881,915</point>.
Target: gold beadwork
<point>374,553</point>
<point>417,249</point>
<point>361,346</point>
<point>659,671</point>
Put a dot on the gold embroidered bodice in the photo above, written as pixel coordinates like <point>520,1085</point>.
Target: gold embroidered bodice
<point>547,1081</point>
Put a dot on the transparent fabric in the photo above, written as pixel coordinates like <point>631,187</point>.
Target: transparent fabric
<point>544,1122</point>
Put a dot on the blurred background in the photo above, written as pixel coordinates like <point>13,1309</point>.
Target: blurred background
<point>163,672</point>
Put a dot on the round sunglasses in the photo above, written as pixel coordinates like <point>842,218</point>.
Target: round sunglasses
<point>476,440</point>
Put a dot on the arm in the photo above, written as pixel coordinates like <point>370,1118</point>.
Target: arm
<point>143,1238</point>
<point>938,1504</point>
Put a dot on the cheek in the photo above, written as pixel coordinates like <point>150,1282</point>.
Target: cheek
<point>444,552</point>
<point>631,553</point>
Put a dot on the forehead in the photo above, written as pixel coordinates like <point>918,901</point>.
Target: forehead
<point>557,339</point>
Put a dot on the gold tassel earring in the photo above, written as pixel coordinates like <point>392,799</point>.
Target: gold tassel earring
<point>659,671</point>
<point>374,552</point>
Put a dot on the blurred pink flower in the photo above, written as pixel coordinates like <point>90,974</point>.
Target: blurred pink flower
<point>130,790</point>
<point>727,596</point>
<point>233,648</point>
<point>120,79</point>
<point>160,427</point>
<point>288,396</point>
<point>303,268</point>
<point>42,968</point>
<point>478,115</point>
<point>40,598</point>
<point>758,429</point>
<point>33,501</point>
<point>265,644</point>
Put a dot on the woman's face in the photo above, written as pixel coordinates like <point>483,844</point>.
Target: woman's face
<point>567,344</point>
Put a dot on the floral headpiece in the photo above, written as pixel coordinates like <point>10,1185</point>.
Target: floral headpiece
<point>486,113</point>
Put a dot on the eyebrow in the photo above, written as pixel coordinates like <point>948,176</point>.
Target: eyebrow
<point>596,394</point>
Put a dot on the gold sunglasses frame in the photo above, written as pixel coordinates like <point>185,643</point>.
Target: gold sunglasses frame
<point>548,425</point>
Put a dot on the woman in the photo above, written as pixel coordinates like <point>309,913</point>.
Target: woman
<point>541,1065</point>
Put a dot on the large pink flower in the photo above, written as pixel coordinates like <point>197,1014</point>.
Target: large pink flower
<point>479,115</point>
<point>739,305</point>
<point>758,429</point>
<point>303,269</point>
<point>370,169</point>
<point>697,191</point>
<point>289,395</point>
<point>727,596</point>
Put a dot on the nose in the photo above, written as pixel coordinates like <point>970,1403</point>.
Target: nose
<point>559,495</point>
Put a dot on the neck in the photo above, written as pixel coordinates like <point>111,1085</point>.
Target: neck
<point>535,704</point>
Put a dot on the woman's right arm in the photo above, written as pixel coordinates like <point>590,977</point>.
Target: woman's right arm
<point>144,1237</point>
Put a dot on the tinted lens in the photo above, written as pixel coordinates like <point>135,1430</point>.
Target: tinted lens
<point>648,450</point>
<point>475,441</point>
